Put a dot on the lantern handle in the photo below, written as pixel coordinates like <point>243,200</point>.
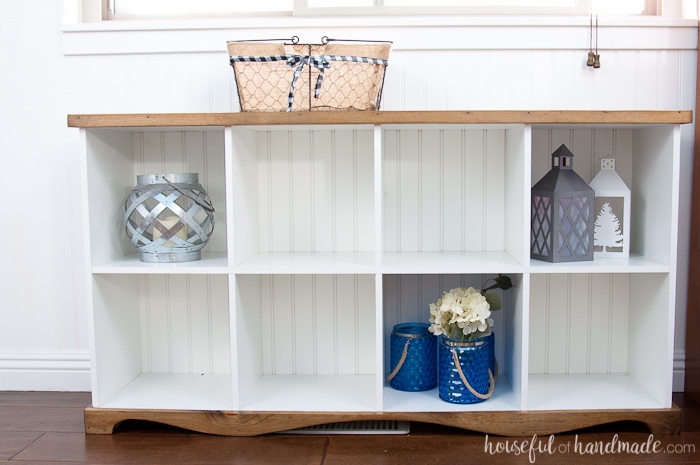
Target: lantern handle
<point>205,205</point>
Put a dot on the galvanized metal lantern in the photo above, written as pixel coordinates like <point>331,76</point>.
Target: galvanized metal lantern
<point>169,217</point>
<point>611,226</point>
<point>561,213</point>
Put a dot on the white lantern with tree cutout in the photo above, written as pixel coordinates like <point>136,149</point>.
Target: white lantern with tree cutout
<point>611,237</point>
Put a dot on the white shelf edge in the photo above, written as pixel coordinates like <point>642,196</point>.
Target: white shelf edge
<point>312,393</point>
<point>308,263</point>
<point>211,263</point>
<point>503,399</point>
<point>633,264</point>
<point>175,391</point>
<point>392,263</point>
<point>593,391</point>
<point>449,263</point>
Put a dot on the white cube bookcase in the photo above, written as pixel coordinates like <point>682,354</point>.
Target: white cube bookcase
<point>333,227</point>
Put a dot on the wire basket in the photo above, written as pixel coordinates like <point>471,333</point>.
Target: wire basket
<point>276,76</point>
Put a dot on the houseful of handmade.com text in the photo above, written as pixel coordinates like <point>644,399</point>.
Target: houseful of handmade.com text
<point>550,446</point>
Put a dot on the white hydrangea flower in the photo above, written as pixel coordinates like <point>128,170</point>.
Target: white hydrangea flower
<point>461,311</point>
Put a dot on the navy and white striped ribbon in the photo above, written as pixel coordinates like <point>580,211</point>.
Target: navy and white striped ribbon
<point>322,62</point>
<point>299,61</point>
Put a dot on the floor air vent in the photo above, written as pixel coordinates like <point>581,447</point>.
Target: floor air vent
<point>357,427</point>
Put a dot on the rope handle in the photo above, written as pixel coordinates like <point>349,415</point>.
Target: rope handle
<point>492,381</point>
<point>400,364</point>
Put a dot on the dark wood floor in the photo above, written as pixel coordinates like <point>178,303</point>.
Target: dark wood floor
<point>43,428</point>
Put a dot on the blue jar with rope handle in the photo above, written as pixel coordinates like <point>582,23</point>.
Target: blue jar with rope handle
<point>413,357</point>
<point>467,369</point>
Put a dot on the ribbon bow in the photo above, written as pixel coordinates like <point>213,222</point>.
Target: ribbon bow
<point>319,61</point>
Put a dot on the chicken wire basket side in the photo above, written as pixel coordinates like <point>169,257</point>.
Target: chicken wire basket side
<point>263,77</point>
<point>332,76</point>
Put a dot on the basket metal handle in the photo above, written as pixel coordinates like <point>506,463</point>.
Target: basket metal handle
<point>326,39</point>
<point>294,40</point>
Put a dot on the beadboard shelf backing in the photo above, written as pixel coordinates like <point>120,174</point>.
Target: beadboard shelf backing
<point>333,227</point>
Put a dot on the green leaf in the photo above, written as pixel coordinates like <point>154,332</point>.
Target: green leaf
<point>494,300</point>
<point>500,282</point>
<point>503,282</point>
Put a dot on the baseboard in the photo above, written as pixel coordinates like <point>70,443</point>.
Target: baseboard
<point>45,371</point>
<point>70,371</point>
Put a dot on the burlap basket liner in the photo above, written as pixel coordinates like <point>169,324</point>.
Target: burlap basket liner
<point>345,85</point>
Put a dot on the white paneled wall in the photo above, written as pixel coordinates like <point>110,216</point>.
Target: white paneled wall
<point>184,324</point>
<point>315,191</point>
<point>459,170</point>
<point>43,322</point>
<point>184,329</point>
<point>588,147</point>
<point>188,152</point>
<point>415,80</point>
<point>539,79</point>
<point>334,312</point>
<point>579,324</point>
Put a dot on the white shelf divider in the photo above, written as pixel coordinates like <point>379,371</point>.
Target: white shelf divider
<point>378,138</point>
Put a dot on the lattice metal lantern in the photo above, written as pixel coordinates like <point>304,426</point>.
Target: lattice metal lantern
<point>169,217</point>
<point>611,226</point>
<point>561,213</point>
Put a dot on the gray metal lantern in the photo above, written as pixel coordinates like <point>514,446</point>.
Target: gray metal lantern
<point>561,213</point>
<point>169,217</point>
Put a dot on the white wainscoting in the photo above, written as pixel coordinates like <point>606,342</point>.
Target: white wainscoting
<point>45,371</point>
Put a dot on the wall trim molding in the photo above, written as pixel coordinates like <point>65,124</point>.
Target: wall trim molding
<point>433,33</point>
<point>45,371</point>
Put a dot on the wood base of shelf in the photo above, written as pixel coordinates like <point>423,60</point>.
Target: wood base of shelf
<point>505,423</point>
